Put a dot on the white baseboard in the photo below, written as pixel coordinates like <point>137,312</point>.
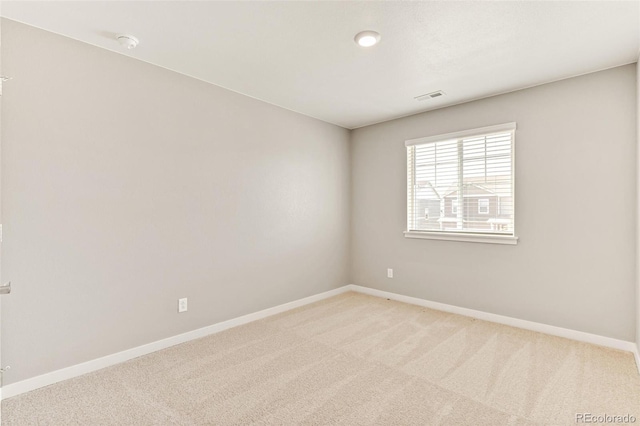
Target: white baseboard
<point>86,367</point>
<point>636,353</point>
<point>513,322</point>
<point>43,380</point>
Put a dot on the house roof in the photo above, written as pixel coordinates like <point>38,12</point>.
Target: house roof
<point>471,189</point>
<point>426,191</point>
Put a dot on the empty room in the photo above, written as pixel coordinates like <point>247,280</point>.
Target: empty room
<point>319,212</point>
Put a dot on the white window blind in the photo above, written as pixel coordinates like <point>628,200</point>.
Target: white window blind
<point>464,180</point>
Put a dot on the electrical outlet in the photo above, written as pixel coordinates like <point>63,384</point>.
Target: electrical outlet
<point>389,273</point>
<point>182,305</point>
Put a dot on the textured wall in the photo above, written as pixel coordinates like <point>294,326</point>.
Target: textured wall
<point>126,186</point>
<point>575,168</point>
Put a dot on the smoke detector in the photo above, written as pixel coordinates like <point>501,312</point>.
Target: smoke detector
<point>127,41</point>
<point>431,95</point>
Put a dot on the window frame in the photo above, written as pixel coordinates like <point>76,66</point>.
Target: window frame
<point>477,237</point>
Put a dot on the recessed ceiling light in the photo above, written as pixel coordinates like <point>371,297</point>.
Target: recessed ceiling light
<point>127,41</point>
<point>367,38</point>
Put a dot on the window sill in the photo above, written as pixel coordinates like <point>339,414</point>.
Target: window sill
<point>469,238</point>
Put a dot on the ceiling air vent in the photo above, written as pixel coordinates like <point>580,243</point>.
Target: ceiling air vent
<point>431,95</point>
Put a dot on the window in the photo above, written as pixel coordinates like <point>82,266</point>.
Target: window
<point>483,206</point>
<point>469,174</point>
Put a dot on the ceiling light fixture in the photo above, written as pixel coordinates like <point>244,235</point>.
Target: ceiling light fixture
<point>127,41</point>
<point>367,38</point>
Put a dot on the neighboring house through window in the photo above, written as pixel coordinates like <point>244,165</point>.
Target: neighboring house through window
<point>468,178</point>
<point>483,206</point>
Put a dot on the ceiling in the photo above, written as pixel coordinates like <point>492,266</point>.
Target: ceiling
<point>301,55</point>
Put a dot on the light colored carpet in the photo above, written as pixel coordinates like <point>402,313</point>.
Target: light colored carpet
<point>352,360</point>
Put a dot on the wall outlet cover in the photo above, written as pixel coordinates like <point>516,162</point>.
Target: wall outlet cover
<point>182,305</point>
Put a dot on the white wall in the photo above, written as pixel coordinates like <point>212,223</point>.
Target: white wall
<point>126,186</point>
<point>574,266</point>
<point>638,207</point>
